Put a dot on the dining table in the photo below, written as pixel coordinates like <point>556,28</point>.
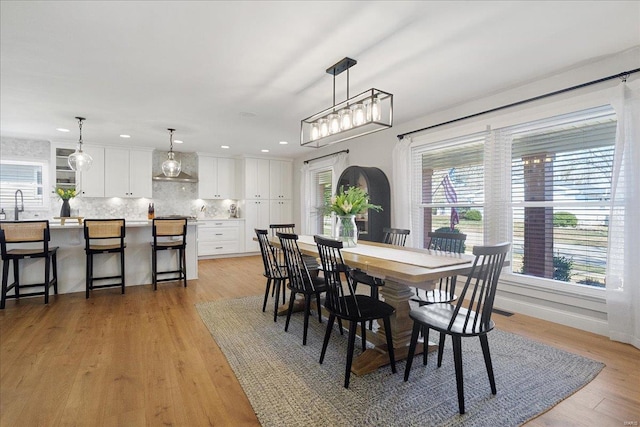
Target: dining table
<point>401,268</point>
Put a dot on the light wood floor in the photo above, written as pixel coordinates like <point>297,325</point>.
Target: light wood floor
<point>146,358</point>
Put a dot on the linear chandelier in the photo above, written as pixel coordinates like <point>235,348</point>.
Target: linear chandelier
<point>368,112</point>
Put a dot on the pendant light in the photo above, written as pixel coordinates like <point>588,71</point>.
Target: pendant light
<point>368,112</point>
<point>171,167</point>
<point>79,160</point>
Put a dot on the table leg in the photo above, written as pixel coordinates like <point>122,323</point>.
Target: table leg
<point>397,295</point>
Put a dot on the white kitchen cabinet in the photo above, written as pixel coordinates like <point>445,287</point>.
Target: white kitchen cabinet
<point>63,176</point>
<point>256,215</point>
<point>219,237</point>
<point>280,177</point>
<point>280,211</point>
<point>92,180</point>
<point>127,173</point>
<point>256,178</point>
<point>216,177</point>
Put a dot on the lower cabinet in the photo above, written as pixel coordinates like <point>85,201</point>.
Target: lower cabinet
<point>219,237</point>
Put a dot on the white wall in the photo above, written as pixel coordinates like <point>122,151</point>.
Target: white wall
<point>375,150</point>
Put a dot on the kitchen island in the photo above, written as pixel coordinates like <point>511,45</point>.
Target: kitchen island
<point>71,257</point>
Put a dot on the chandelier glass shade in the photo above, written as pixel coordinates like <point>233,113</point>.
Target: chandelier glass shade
<point>79,160</point>
<point>171,167</point>
<point>368,112</point>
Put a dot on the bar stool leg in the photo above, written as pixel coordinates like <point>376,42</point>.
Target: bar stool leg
<point>16,277</point>
<point>154,269</point>
<point>5,279</point>
<point>88,275</point>
<point>183,252</point>
<point>47,272</point>
<point>54,259</point>
<point>122,268</point>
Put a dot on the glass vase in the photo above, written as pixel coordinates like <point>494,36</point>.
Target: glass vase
<point>65,210</point>
<point>346,230</point>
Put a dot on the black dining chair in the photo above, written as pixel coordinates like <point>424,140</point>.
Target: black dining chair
<point>275,273</point>
<point>446,290</point>
<point>309,260</point>
<point>343,303</point>
<point>391,236</point>
<point>469,317</point>
<point>300,281</point>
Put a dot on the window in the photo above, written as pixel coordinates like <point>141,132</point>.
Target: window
<point>544,185</point>
<point>29,177</point>
<point>448,177</point>
<point>560,182</point>
<point>321,196</point>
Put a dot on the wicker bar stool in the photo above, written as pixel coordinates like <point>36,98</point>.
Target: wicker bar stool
<point>110,234</point>
<point>169,234</point>
<point>21,240</point>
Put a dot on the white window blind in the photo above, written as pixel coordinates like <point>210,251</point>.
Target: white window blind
<point>29,177</point>
<point>561,180</point>
<point>448,189</point>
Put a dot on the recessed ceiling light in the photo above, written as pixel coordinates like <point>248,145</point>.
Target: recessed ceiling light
<point>265,151</point>
<point>125,136</point>
<point>246,114</point>
<point>62,130</point>
<point>283,142</point>
<point>177,141</point>
<point>224,146</point>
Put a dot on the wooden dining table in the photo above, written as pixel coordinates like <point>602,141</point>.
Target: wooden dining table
<point>400,268</point>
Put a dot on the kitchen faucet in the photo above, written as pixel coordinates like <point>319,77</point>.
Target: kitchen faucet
<point>21,203</point>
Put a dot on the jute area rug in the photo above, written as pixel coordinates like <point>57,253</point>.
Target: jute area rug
<point>288,387</point>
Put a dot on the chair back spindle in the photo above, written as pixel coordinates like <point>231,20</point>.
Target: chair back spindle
<point>478,294</point>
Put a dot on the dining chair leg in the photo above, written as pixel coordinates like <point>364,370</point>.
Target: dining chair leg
<point>425,336</point>
<point>441,348</point>
<point>363,327</point>
<point>457,358</point>
<point>266,294</point>
<point>352,341</point>
<point>319,308</point>
<point>412,349</point>
<point>327,335</point>
<point>390,350</point>
<point>276,284</point>
<point>289,311</point>
<point>484,342</point>
<point>307,311</point>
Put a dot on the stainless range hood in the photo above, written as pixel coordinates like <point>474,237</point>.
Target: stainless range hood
<point>182,177</point>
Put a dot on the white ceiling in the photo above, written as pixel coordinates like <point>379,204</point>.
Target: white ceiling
<point>244,73</point>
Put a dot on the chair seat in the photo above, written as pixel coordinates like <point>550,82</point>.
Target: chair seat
<point>23,253</point>
<point>438,317</point>
<point>435,296</point>
<point>167,245</point>
<point>370,308</point>
<point>361,277</point>
<point>318,283</point>
<point>102,248</point>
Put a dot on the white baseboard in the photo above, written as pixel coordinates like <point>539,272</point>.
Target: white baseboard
<point>579,321</point>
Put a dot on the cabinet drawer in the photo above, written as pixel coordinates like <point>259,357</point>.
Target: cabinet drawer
<point>216,234</point>
<point>217,248</point>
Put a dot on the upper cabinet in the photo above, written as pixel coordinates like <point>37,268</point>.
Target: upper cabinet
<point>256,178</point>
<point>216,177</point>
<point>280,176</point>
<point>92,180</point>
<point>127,172</point>
<point>63,176</point>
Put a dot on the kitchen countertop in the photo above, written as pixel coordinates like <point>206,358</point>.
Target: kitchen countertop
<point>135,222</point>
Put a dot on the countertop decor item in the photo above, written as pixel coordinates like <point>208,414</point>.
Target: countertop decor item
<point>65,194</point>
<point>79,160</point>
